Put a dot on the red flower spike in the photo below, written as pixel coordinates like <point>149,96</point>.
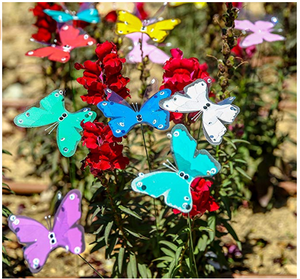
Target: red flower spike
<point>179,72</point>
<point>105,152</point>
<point>104,73</point>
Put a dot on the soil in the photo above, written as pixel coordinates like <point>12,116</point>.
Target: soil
<point>269,238</point>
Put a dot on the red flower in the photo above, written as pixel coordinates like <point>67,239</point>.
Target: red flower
<point>104,73</point>
<point>46,25</point>
<point>247,52</point>
<point>202,200</point>
<point>105,152</point>
<point>140,12</point>
<point>179,72</point>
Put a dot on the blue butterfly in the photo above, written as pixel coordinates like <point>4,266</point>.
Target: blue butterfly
<point>123,117</point>
<point>89,15</point>
<point>175,186</point>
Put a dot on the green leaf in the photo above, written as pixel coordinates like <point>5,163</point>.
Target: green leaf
<point>243,173</point>
<point>201,228</point>
<point>143,270</point>
<point>107,231</point>
<point>120,259</point>
<point>233,233</point>
<point>164,258</point>
<point>169,244</point>
<point>130,212</point>
<point>211,221</point>
<point>240,140</point>
<point>202,242</point>
<point>132,264</point>
<point>6,152</point>
<point>168,252</point>
<point>98,209</point>
<point>138,235</point>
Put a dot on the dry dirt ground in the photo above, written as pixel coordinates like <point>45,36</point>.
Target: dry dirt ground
<point>269,239</point>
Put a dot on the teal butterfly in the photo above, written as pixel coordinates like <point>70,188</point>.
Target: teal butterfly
<point>175,186</point>
<point>88,15</point>
<point>52,111</point>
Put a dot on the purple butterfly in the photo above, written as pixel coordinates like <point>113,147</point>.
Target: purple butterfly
<point>261,31</point>
<point>155,54</point>
<point>40,241</point>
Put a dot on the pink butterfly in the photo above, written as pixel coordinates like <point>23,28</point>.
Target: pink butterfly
<point>155,54</point>
<point>262,30</point>
<point>40,241</point>
<point>70,38</point>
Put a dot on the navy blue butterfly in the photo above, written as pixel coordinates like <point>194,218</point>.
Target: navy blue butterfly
<point>124,117</point>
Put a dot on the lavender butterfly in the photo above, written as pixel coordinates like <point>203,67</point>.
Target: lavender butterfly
<point>40,241</point>
<point>262,30</point>
<point>155,54</point>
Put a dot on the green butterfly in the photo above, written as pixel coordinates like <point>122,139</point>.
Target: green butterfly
<point>52,111</point>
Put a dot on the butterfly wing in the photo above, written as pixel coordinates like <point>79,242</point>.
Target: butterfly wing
<point>253,39</point>
<point>89,15</point>
<point>69,233</point>
<point>193,162</point>
<point>127,23</point>
<point>68,131</point>
<point>152,114</point>
<point>123,118</point>
<point>73,37</point>
<point>35,236</point>
<point>212,126</point>
<point>155,54</point>
<point>245,25</point>
<point>158,31</point>
<point>194,98</point>
<point>54,53</point>
<point>269,37</point>
<point>58,16</point>
<point>176,191</point>
<point>51,108</point>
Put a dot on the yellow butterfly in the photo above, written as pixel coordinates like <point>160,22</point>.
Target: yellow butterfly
<point>129,23</point>
<point>198,5</point>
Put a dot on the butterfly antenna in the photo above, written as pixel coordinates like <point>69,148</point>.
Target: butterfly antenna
<point>47,222</point>
<point>54,126</point>
<point>169,165</point>
<point>197,115</point>
<point>49,217</point>
<point>137,106</point>
<point>132,104</point>
<point>42,43</point>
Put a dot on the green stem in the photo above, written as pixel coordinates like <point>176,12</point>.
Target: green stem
<point>192,246</point>
<point>72,88</point>
<point>90,265</point>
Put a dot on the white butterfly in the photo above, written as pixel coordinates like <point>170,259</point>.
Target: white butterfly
<point>195,99</point>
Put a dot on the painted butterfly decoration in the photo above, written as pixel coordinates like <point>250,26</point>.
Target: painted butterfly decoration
<point>262,31</point>
<point>124,117</point>
<point>70,38</point>
<point>157,30</point>
<point>86,13</point>
<point>175,185</point>
<point>40,241</point>
<point>52,111</point>
<point>195,99</point>
<point>155,54</point>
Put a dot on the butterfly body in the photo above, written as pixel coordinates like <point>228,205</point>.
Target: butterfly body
<point>195,98</point>
<point>262,31</point>
<point>88,15</point>
<point>154,53</point>
<point>52,111</point>
<point>175,186</point>
<point>123,117</point>
<point>129,23</point>
<point>70,38</point>
<point>40,241</point>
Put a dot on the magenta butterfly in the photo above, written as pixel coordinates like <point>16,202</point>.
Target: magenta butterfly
<point>262,30</point>
<point>70,38</point>
<point>40,241</point>
<point>155,54</point>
